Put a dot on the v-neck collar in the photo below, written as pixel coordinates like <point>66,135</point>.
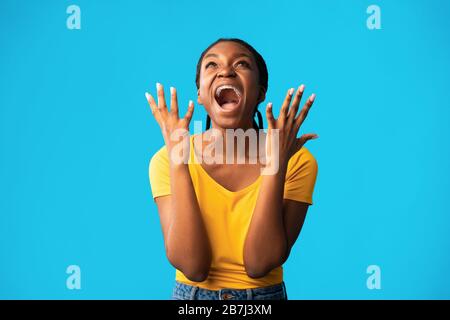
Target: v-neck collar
<point>194,160</point>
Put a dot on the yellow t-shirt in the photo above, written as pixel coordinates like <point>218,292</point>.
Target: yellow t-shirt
<point>227,215</point>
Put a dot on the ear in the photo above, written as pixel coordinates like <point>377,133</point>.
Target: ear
<point>262,95</point>
<point>199,101</point>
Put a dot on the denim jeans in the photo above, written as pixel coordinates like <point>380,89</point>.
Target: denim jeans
<point>183,291</point>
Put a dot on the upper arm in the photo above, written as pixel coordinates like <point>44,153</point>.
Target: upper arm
<point>159,175</point>
<point>294,214</point>
<point>164,210</point>
<point>298,192</point>
<point>301,177</point>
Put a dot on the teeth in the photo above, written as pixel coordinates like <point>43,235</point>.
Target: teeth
<point>227,86</point>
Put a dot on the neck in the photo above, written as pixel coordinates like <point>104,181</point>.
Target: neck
<point>242,143</point>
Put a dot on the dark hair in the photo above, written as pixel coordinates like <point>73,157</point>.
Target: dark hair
<point>262,70</point>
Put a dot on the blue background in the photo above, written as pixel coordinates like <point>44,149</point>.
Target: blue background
<point>76,136</point>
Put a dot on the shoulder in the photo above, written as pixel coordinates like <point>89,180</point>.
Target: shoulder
<point>159,161</point>
<point>301,176</point>
<point>302,160</point>
<point>160,155</point>
<point>159,173</point>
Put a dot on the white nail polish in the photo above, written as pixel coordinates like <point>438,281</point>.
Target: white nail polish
<point>147,95</point>
<point>302,87</point>
<point>158,86</point>
<point>291,91</point>
<point>172,90</point>
<point>313,96</point>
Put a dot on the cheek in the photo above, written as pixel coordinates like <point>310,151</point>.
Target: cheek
<point>252,83</point>
<point>204,86</point>
<point>204,95</point>
<point>253,90</point>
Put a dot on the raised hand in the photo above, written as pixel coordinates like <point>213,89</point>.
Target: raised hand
<point>288,125</point>
<point>174,129</point>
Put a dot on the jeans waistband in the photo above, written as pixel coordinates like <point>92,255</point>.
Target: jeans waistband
<point>184,291</point>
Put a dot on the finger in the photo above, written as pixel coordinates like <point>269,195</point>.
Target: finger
<point>309,136</point>
<point>286,103</point>
<point>173,101</point>
<point>269,116</point>
<point>161,101</point>
<point>153,106</point>
<point>189,112</point>
<point>297,98</point>
<point>302,116</point>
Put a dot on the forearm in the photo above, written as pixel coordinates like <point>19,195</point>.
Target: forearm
<point>188,245</point>
<point>266,243</point>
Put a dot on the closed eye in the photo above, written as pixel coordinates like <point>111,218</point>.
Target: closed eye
<point>244,63</point>
<point>209,64</point>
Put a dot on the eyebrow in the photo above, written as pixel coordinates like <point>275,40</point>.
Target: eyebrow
<point>236,56</point>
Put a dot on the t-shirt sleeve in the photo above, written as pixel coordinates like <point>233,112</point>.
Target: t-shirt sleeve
<point>301,177</point>
<point>159,173</point>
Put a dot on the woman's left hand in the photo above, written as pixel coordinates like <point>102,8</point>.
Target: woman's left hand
<point>288,125</point>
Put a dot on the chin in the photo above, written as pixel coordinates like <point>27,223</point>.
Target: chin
<point>230,123</point>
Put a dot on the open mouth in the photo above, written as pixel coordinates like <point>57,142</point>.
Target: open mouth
<point>228,97</point>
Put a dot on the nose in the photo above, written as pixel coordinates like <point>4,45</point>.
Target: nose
<point>226,72</point>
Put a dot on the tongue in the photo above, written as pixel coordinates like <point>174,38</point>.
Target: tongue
<point>229,105</point>
<point>229,99</point>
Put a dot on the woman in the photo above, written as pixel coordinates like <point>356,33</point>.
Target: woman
<point>227,227</point>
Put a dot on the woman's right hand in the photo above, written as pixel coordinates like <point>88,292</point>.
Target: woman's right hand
<point>185,238</point>
<point>175,131</point>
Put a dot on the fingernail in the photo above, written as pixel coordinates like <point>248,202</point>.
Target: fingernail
<point>269,105</point>
<point>315,137</point>
<point>191,102</point>
<point>302,87</point>
<point>313,96</point>
<point>147,95</point>
<point>172,90</point>
<point>158,86</point>
<point>291,91</point>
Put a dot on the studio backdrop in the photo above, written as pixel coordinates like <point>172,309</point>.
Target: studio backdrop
<point>77,218</point>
